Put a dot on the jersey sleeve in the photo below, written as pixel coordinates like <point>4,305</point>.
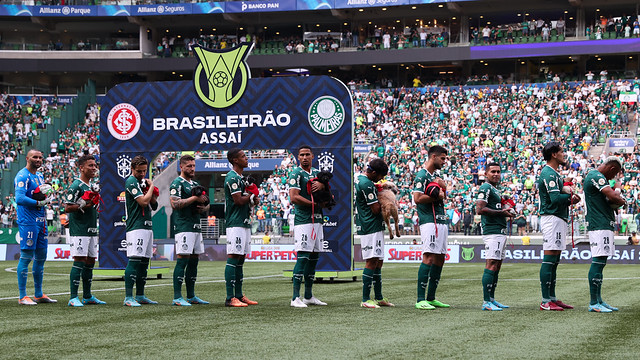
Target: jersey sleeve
<point>294,180</point>
<point>234,184</point>
<point>370,193</point>
<point>599,182</point>
<point>175,189</point>
<point>551,184</point>
<point>73,193</point>
<point>483,193</point>
<point>419,184</point>
<point>133,187</point>
<point>21,184</point>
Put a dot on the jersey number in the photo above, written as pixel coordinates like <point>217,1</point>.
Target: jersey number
<point>140,242</point>
<point>606,240</point>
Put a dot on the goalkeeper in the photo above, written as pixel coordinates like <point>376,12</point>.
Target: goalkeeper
<point>81,202</point>
<point>32,195</point>
<point>189,200</point>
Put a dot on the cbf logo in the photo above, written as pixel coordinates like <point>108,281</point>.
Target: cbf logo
<point>221,76</point>
<point>325,161</point>
<point>123,163</point>
<point>123,121</point>
<point>326,115</point>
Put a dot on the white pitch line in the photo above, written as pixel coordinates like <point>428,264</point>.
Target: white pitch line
<point>148,286</point>
<point>525,279</point>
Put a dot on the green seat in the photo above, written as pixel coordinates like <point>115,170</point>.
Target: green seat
<point>554,32</point>
<point>560,37</point>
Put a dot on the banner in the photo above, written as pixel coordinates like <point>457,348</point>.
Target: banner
<point>411,253</point>
<point>581,254</point>
<point>220,109</point>
<point>259,6</point>
<point>628,97</point>
<point>362,148</point>
<point>223,165</point>
<point>314,4</point>
<point>621,145</point>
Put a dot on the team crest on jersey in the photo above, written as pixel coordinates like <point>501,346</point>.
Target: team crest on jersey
<point>325,161</point>
<point>29,242</point>
<point>221,76</point>
<point>123,163</point>
<point>467,253</point>
<point>326,115</point>
<point>123,121</point>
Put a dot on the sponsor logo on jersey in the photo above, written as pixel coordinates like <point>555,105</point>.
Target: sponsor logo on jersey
<point>123,121</point>
<point>221,76</point>
<point>326,115</point>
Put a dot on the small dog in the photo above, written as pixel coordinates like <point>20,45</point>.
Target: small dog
<point>324,197</point>
<point>389,206</point>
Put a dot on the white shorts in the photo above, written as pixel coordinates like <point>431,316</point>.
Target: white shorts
<point>372,245</point>
<point>140,243</point>
<point>308,237</point>
<point>636,31</point>
<point>554,232</point>
<point>83,246</point>
<point>602,243</point>
<point>431,243</point>
<point>188,243</point>
<point>238,240</point>
<point>494,246</point>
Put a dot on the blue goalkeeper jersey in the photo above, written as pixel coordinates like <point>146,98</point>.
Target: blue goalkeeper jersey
<point>28,212</point>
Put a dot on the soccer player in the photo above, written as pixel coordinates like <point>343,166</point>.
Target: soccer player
<point>189,244</point>
<point>494,234</point>
<point>370,227</point>
<point>83,231</point>
<point>32,227</point>
<point>140,198</point>
<point>308,232</point>
<point>601,200</point>
<point>554,211</point>
<point>238,219</point>
<point>433,228</point>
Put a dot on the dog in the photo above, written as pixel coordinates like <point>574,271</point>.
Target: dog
<point>324,198</point>
<point>389,206</point>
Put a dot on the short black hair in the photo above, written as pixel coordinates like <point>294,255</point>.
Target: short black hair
<point>437,150</point>
<point>493,164</point>
<point>83,159</point>
<point>550,149</point>
<point>232,154</point>
<point>186,158</point>
<point>379,166</point>
<point>138,160</point>
<point>305,147</point>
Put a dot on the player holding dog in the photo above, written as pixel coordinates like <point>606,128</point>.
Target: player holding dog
<point>494,233</point>
<point>429,193</point>
<point>370,225</point>
<point>308,232</point>
<point>189,208</point>
<point>140,198</point>
<point>32,195</point>
<point>601,200</point>
<point>554,211</point>
<point>238,217</point>
<point>83,231</point>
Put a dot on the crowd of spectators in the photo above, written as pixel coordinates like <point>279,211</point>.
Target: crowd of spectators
<point>525,31</point>
<point>614,27</point>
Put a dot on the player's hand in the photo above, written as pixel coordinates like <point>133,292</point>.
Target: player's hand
<point>317,186</point>
<point>253,199</point>
<point>45,201</point>
<point>508,213</point>
<point>46,189</point>
<point>575,199</point>
<point>442,184</point>
<point>201,208</point>
<point>149,183</point>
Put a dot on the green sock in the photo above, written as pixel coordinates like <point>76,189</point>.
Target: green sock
<point>178,277</point>
<point>545,276</point>
<point>487,283</point>
<point>495,283</point>
<point>423,279</point>
<point>595,278</point>
<point>74,278</point>
<point>87,279</point>
<point>377,283</point>
<point>310,275</point>
<point>434,279</point>
<point>130,275</point>
<point>367,279</point>
<point>554,274</point>
<point>191,274</point>
<point>298,271</point>
<point>230,277</point>
<point>141,280</point>
<point>239,278</point>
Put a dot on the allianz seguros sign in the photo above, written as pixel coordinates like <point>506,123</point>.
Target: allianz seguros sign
<point>221,108</point>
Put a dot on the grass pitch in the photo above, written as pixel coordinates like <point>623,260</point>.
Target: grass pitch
<point>342,330</point>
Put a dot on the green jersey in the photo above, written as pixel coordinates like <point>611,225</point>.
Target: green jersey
<point>187,219</point>
<point>552,200</point>
<point>600,216</point>
<point>235,215</point>
<point>426,211</point>
<point>137,216</point>
<point>492,224</point>
<point>298,180</point>
<point>366,195</point>
<point>81,223</point>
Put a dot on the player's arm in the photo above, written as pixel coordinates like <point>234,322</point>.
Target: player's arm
<point>482,209</point>
<point>298,199</point>
<point>177,203</point>
<point>146,199</point>
<point>613,196</point>
<point>203,209</point>
<point>372,200</point>
<point>21,193</point>
<point>237,196</point>
<point>422,198</point>
<point>559,198</point>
